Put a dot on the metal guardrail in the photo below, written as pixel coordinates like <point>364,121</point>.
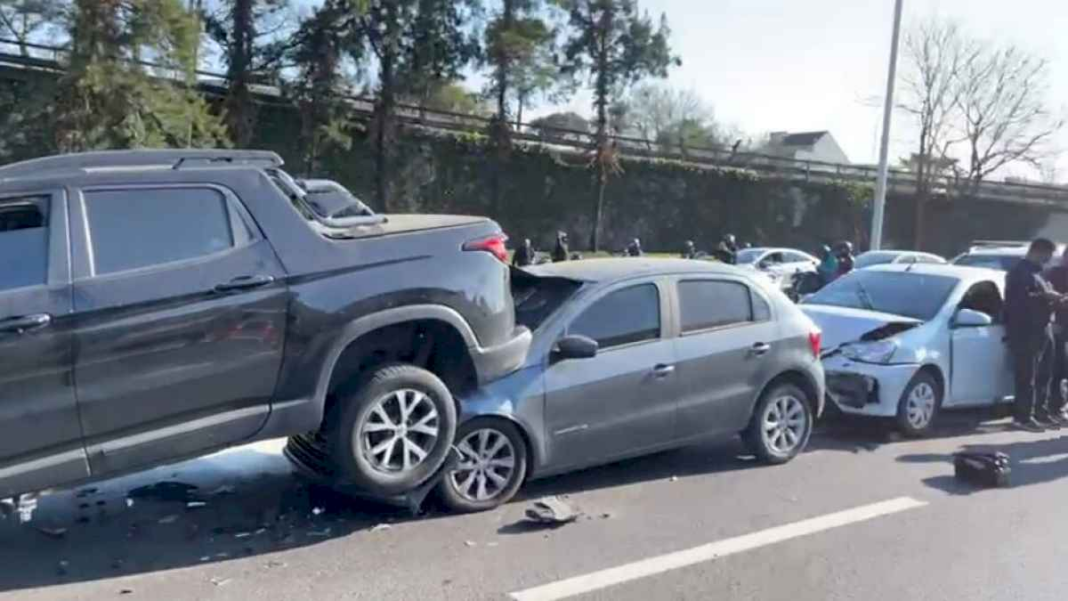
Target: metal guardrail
<point>49,58</point>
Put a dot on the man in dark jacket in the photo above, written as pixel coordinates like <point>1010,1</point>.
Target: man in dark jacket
<point>1029,304</point>
<point>845,258</point>
<point>524,255</point>
<point>1058,278</point>
<point>689,250</point>
<point>634,249</point>
<point>560,251</point>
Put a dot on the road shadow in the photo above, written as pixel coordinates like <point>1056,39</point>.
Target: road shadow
<point>1032,461</point>
<point>856,434</point>
<point>240,503</point>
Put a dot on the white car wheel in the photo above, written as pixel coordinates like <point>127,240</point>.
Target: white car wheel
<point>919,404</point>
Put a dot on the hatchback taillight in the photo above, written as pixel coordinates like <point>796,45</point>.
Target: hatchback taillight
<point>814,340</point>
<point>494,245</point>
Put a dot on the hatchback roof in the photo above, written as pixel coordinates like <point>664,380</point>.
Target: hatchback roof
<point>601,270</point>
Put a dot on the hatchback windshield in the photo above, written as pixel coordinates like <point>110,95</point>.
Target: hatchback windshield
<point>915,295</point>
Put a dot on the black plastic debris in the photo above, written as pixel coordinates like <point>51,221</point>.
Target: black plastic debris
<point>165,491</point>
<point>552,511</point>
<point>991,470</point>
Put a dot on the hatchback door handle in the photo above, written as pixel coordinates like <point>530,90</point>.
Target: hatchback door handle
<point>760,348</point>
<point>662,371</point>
<point>246,282</point>
<point>20,325</point>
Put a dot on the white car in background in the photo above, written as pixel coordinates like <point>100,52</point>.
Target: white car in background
<point>907,341</point>
<point>872,258</point>
<point>1000,255</point>
<point>779,264</point>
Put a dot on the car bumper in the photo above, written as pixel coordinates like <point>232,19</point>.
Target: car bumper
<point>494,362</point>
<point>866,389</point>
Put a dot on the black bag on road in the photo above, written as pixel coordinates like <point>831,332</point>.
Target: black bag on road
<point>984,469</point>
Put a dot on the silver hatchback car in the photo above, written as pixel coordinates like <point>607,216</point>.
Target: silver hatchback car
<point>634,356</point>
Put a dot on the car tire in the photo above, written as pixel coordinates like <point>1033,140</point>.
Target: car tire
<point>476,474</point>
<point>781,424</point>
<point>919,405</point>
<point>393,431</point>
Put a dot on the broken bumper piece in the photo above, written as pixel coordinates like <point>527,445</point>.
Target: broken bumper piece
<point>852,390</point>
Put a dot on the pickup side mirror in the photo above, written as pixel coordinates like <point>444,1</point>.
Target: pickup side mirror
<point>575,347</point>
<point>968,318</point>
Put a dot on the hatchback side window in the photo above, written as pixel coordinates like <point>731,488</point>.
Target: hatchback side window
<point>622,317</point>
<point>163,225</point>
<point>706,304</point>
<point>23,242</point>
<point>984,297</point>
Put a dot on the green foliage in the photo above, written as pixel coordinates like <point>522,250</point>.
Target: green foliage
<point>614,46</point>
<point>23,19</point>
<point>248,33</point>
<point>108,100</point>
<point>520,47</point>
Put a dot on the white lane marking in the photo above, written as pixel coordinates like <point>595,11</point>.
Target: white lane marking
<point>593,581</point>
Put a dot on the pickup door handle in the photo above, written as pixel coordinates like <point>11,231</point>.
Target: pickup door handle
<point>245,282</point>
<point>759,349</point>
<point>19,325</point>
<point>663,371</point>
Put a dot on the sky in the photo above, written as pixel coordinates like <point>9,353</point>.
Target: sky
<point>801,65</point>
<point>804,65</point>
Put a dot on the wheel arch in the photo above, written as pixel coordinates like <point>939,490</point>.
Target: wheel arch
<point>356,331</point>
<point>798,378</point>
<point>534,455</point>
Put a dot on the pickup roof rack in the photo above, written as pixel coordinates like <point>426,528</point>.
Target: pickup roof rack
<point>121,159</point>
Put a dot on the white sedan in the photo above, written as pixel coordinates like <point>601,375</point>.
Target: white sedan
<point>907,341</point>
<point>779,264</point>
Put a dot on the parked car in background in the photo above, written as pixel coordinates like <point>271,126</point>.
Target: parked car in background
<point>633,356</point>
<point>1000,255</point>
<point>778,264</point>
<point>872,258</point>
<point>159,305</point>
<point>907,341</point>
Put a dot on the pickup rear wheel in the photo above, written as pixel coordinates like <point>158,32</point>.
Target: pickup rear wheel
<point>394,431</point>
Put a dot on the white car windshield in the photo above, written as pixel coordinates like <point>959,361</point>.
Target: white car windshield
<point>749,255</point>
<point>915,295</point>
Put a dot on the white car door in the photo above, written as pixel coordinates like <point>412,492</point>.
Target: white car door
<point>981,372</point>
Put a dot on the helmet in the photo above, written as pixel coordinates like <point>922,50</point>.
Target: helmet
<point>729,238</point>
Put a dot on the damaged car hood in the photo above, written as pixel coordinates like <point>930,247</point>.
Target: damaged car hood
<point>841,324</point>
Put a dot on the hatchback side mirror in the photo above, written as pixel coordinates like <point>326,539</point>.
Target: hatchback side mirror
<point>575,347</point>
<point>968,318</point>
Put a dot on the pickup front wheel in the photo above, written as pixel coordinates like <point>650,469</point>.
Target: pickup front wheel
<point>394,431</point>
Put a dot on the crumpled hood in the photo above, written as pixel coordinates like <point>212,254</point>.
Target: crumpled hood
<point>841,324</point>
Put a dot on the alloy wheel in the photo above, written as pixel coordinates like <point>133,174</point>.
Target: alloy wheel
<point>400,431</point>
<point>487,462</point>
<point>784,424</point>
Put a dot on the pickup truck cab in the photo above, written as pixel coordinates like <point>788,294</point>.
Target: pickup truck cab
<point>159,305</point>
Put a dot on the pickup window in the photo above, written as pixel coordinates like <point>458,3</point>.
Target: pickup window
<point>165,225</point>
<point>23,242</point>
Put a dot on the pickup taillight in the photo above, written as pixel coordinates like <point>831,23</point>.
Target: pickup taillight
<point>494,245</point>
<point>815,339</point>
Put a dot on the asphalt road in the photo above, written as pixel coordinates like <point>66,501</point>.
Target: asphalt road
<point>861,515</point>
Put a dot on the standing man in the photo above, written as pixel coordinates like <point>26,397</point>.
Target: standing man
<point>1029,304</point>
<point>560,251</point>
<point>728,248</point>
<point>689,250</point>
<point>1058,278</point>
<point>845,258</point>
<point>635,248</point>
<point>524,255</point>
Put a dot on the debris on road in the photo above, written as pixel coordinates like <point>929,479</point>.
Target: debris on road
<point>674,478</point>
<point>195,504</point>
<point>470,543</point>
<point>274,563</point>
<point>52,532</point>
<point>169,519</point>
<point>320,533</point>
<point>380,527</point>
<point>225,489</point>
<point>551,511</point>
<point>168,490</point>
<point>85,492</point>
<point>126,591</point>
<point>221,581</point>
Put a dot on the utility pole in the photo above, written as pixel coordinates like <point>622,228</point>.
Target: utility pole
<point>884,149</point>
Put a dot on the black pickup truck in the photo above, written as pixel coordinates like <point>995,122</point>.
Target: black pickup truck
<point>159,305</point>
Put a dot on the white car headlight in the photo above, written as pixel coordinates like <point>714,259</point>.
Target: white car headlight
<point>880,351</point>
